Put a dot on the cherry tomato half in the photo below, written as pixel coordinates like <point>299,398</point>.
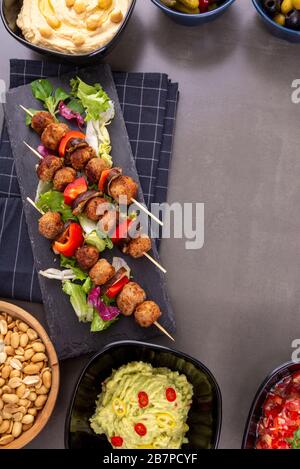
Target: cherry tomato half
<point>117,441</point>
<point>140,429</point>
<point>171,394</point>
<point>143,399</point>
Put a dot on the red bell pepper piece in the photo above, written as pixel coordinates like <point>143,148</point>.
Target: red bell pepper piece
<point>74,189</point>
<point>102,180</point>
<point>121,232</point>
<point>203,6</point>
<point>65,140</point>
<point>69,241</point>
<point>115,289</point>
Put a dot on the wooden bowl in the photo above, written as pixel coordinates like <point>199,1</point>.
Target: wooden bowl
<point>44,415</point>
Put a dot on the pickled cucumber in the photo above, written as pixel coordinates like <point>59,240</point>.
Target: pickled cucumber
<point>169,3</point>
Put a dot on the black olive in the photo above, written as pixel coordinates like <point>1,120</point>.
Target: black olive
<point>292,19</point>
<point>272,6</point>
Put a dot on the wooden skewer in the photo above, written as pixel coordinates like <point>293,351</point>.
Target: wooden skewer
<point>34,205</point>
<point>163,330</point>
<point>155,262</point>
<point>26,110</point>
<point>33,150</point>
<point>147,211</point>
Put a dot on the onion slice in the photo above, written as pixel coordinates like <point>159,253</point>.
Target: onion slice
<point>114,173</point>
<point>81,201</point>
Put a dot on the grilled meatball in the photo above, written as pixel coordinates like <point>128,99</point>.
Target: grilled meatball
<point>91,208</point>
<point>87,256</point>
<point>53,134</point>
<point>51,225</point>
<point>130,297</point>
<point>123,186</point>
<point>63,177</point>
<point>94,169</point>
<point>137,246</point>
<point>147,313</point>
<point>48,167</point>
<point>101,272</point>
<point>79,158</point>
<point>41,120</point>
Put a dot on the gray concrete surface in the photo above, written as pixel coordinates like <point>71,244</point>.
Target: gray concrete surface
<point>237,150</point>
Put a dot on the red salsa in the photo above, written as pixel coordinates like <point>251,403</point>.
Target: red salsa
<point>279,426</point>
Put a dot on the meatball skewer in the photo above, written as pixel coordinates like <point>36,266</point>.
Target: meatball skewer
<point>135,248</point>
<point>86,154</point>
<point>132,300</point>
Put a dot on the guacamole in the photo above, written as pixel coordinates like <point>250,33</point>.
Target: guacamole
<point>142,407</point>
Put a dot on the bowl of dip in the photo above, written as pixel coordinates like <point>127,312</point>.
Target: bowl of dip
<point>177,392</point>
<point>75,30</point>
<point>274,417</point>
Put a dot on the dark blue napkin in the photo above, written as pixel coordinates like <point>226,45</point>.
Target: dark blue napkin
<point>148,101</point>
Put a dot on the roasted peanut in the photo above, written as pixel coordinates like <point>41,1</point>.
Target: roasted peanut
<point>17,429</point>
<point>47,379</point>
<point>31,369</point>
<point>5,371</point>
<point>10,398</point>
<point>40,401</point>
<point>38,357</point>
<point>6,439</point>
<point>15,340</point>
<point>4,426</point>
<point>38,347</point>
<point>28,419</point>
<point>24,340</point>
<point>32,335</point>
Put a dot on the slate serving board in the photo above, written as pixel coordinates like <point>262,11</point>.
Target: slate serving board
<point>70,337</point>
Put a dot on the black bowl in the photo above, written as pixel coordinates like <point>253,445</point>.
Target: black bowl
<point>14,31</point>
<point>205,416</point>
<point>255,413</point>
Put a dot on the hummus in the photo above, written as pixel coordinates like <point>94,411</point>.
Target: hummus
<point>142,407</point>
<point>71,26</point>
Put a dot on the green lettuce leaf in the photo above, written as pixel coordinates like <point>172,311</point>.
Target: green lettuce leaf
<point>54,201</point>
<point>28,118</point>
<point>78,299</point>
<point>43,90</point>
<point>99,325</point>
<point>94,240</point>
<point>70,263</point>
<point>93,98</point>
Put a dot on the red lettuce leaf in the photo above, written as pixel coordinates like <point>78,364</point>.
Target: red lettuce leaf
<point>107,313</point>
<point>68,114</point>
